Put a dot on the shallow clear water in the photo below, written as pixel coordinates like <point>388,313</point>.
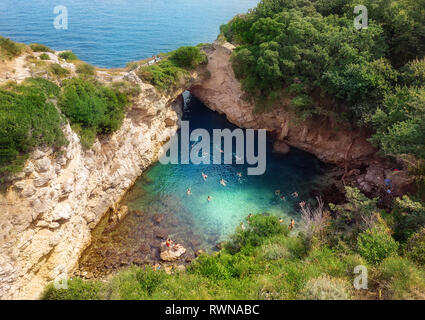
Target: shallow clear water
<point>241,196</point>
<point>110,33</point>
<point>160,208</point>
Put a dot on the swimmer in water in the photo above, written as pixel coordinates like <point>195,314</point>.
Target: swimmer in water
<point>222,182</point>
<point>295,194</point>
<point>204,176</point>
<point>209,198</point>
<point>277,192</point>
<point>239,174</point>
<point>291,225</point>
<point>189,192</point>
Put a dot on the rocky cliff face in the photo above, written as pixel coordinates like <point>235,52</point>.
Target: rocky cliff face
<point>47,214</point>
<point>330,143</point>
<point>346,148</point>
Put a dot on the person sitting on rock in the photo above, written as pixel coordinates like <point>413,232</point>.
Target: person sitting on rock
<point>169,243</point>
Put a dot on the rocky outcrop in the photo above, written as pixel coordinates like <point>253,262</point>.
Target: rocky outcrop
<point>171,254</point>
<point>328,140</point>
<point>49,210</point>
<point>222,92</point>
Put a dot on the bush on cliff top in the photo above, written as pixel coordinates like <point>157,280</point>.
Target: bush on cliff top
<point>92,108</point>
<point>27,121</point>
<point>172,69</point>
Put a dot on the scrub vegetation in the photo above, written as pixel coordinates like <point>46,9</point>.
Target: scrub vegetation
<point>265,261</point>
<point>173,69</point>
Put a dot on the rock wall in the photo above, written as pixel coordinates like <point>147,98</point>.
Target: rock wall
<point>329,141</point>
<point>222,92</point>
<point>49,210</point>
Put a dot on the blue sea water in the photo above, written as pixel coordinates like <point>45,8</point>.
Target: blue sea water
<point>110,33</point>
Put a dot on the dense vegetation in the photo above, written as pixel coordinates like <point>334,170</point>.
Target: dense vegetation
<point>265,261</point>
<point>27,120</point>
<point>172,69</point>
<point>92,108</point>
<point>307,50</point>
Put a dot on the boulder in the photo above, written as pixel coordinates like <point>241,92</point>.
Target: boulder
<point>171,254</point>
<point>280,147</point>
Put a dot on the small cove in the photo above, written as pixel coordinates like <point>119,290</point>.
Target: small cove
<point>160,208</point>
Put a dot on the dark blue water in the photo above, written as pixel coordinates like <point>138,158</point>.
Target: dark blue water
<point>110,33</point>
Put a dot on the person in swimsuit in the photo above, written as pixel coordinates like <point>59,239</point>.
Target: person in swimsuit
<point>291,225</point>
<point>209,198</point>
<point>204,176</point>
<point>222,182</point>
<point>189,192</point>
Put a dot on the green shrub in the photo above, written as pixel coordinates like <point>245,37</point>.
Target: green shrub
<point>163,75</point>
<point>259,228</point>
<point>416,247</point>
<point>413,73</point>
<point>44,56</point>
<point>92,108</point>
<point>326,288</point>
<point>86,69</point>
<point>36,47</point>
<point>57,70</point>
<point>401,279</point>
<point>78,289</point>
<point>376,244</point>
<point>10,49</point>
<point>188,57</point>
<point>27,121</point>
<point>68,56</point>
<point>274,251</point>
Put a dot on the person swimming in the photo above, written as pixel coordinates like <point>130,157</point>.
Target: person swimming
<point>291,225</point>
<point>189,192</point>
<point>239,174</point>
<point>222,182</point>
<point>209,198</point>
<point>204,176</point>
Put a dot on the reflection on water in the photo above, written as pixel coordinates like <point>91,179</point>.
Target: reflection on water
<point>160,207</point>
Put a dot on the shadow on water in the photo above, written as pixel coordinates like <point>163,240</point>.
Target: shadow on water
<point>160,208</point>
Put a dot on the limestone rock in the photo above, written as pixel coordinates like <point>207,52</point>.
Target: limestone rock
<point>280,147</point>
<point>171,254</point>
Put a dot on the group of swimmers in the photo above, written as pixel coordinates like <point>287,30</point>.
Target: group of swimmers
<point>205,177</point>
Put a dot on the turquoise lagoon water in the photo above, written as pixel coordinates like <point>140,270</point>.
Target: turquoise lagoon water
<point>163,188</point>
<point>110,33</point>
